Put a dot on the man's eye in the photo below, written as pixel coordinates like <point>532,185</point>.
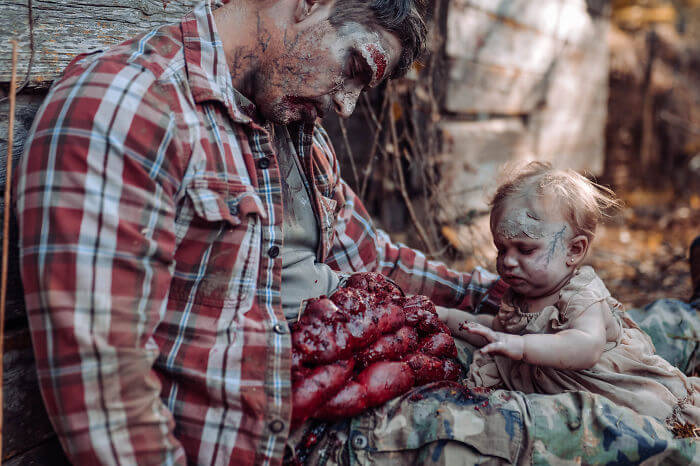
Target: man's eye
<point>359,71</point>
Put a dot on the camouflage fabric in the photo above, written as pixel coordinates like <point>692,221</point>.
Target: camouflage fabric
<point>447,424</point>
<point>674,328</point>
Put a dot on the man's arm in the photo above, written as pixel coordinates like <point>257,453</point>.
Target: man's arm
<point>95,209</point>
<point>359,246</point>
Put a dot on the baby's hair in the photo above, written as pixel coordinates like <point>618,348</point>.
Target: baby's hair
<point>584,203</point>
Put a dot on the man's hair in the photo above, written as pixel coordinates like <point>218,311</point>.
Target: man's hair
<point>405,18</point>
<point>583,202</point>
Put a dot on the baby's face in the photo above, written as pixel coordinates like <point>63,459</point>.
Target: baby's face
<point>532,239</point>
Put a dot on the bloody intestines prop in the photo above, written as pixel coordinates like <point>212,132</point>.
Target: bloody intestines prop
<point>363,346</point>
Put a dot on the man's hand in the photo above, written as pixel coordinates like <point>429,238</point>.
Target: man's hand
<point>512,346</point>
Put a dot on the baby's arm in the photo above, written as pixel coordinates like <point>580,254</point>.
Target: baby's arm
<point>454,318</point>
<point>579,347</point>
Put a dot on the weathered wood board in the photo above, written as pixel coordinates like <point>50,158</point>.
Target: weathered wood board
<point>474,87</point>
<point>474,151</point>
<point>63,29</point>
<point>543,64</point>
<point>502,53</point>
<point>26,424</point>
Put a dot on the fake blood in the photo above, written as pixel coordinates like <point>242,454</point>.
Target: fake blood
<point>363,346</point>
<point>379,61</point>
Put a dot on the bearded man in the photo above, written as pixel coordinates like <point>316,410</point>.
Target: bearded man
<point>178,200</point>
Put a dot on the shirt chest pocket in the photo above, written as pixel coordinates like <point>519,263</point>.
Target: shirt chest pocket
<point>218,231</point>
<point>328,217</point>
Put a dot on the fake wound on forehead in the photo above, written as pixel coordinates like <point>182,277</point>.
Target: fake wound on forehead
<point>521,222</point>
<point>375,56</point>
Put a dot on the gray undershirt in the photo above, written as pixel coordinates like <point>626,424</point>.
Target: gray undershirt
<point>302,276</point>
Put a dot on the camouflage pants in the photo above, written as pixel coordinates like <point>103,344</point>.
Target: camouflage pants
<point>446,424</point>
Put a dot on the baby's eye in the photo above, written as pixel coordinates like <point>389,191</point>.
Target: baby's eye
<point>526,250</point>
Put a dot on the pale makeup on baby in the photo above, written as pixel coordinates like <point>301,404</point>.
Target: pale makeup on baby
<point>557,327</point>
<point>538,252</point>
<point>537,248</point>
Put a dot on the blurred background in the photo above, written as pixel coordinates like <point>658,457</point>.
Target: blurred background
<point>611,89</point>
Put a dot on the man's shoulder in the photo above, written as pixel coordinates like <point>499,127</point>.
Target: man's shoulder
<point>154,55</point>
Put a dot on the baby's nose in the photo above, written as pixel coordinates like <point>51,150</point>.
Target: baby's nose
<point>509,261</point>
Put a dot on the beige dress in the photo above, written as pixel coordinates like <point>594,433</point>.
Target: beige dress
<point>629,372</point>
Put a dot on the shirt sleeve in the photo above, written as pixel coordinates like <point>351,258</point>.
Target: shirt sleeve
<point>96,214</point>
<point>358,246</point>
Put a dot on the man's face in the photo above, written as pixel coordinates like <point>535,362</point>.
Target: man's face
<point>323,67</point>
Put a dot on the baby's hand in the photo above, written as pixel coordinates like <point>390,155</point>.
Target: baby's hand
<point>512,346</point>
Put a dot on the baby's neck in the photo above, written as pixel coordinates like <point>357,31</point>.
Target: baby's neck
<point>537,303</point>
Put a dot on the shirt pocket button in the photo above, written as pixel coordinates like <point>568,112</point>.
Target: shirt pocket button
<point>264,163</point>
<point>279,329</point>
<point>276,426</point>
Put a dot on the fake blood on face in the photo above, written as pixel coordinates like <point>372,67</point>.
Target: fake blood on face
<point>377,62</point>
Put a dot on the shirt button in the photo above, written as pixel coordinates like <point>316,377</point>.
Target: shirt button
<point>279,329</point>
<point>359,442</point>
<point>264,163</point>
<point>273,252</point>
<point>276,426</point>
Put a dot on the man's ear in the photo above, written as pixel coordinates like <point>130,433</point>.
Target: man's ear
<point>578,247</point>
<point>307,8</point>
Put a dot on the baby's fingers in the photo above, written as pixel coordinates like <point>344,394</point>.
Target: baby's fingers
<point>478,329</point>
<point>495,347</point>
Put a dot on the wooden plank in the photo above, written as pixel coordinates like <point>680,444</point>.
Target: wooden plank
<point>570,128</point>
<point>26,424</point>
<point>47,453</point>
<point>477,35</point>
<point>63,29</point>
<point>472,153</point>
<point>27,105</point>
<point>474,87</point>
<point>562,19</point>
<point>505,55</point>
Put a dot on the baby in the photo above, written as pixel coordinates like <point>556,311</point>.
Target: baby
<point>558,328</point>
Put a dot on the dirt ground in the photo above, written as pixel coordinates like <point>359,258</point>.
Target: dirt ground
<point>642,255</point>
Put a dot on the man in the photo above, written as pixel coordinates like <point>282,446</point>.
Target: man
<point>177,203</point>
<point>158,253</point>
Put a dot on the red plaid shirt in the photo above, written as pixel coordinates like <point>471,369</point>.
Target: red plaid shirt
<point>150,212</point>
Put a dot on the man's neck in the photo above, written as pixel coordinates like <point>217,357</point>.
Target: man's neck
<point>246,34</point>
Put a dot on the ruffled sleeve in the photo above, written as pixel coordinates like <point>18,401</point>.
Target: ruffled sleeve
<point>583,290</point>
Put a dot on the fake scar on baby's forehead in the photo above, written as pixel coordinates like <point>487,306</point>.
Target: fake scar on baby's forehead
<point>375,56</point>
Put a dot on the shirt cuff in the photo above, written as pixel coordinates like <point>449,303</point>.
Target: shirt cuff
<point>490,302</point>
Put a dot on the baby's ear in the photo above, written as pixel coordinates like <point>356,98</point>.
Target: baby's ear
<point>578,247</point>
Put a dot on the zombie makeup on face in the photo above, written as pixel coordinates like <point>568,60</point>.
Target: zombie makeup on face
<point>520,222</point>
<point>531,237</point>
<point>375,56</point>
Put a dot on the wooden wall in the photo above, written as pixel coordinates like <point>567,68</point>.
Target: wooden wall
<point>526,80</point>
<point>61,30</point>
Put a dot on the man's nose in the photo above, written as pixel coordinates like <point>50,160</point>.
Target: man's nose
<point>345,100</point>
